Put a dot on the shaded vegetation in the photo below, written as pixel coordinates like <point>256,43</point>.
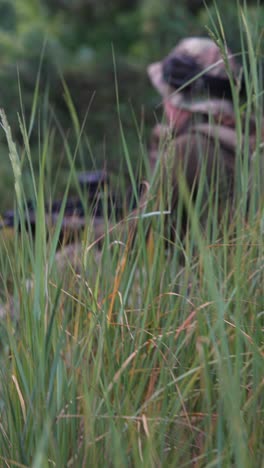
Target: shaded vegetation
<point>128,353</point>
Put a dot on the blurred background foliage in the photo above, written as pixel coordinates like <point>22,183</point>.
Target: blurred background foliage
<point>79,38</point>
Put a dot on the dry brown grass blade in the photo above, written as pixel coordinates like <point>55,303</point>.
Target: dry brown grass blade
<point>123,261</point>
<point>20,396</point>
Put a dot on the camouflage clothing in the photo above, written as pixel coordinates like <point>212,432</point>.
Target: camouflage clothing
<point>200,134</point>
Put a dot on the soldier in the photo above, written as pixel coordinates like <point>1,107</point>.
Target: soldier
<point>200,134</point>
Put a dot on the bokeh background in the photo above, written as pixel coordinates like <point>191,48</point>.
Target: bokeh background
<point>81,40</point>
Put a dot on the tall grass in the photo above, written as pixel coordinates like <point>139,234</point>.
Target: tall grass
<point>137,354</point>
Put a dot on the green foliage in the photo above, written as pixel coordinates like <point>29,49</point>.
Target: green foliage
<point>135,353</point>
<point>78,38</point>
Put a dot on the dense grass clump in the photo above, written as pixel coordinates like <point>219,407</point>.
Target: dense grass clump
<point>128,350</point>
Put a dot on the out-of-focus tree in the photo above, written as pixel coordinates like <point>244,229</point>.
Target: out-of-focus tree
<point>79,38</point>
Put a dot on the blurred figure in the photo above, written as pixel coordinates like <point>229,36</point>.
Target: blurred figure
<point>199,125</point>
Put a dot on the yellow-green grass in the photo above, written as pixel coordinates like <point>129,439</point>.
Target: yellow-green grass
<point>143,352</point>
